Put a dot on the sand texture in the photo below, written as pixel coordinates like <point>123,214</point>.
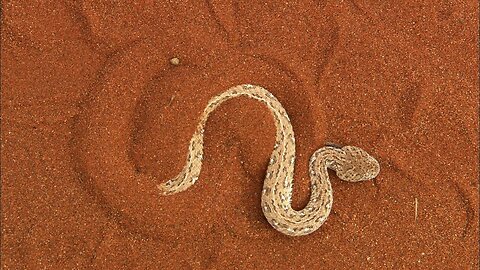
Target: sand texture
<point>97,97</point>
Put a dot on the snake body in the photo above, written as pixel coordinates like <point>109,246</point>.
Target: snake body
<point>350,163</point>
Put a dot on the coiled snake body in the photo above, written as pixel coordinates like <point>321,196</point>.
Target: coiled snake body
<point>351,164</point>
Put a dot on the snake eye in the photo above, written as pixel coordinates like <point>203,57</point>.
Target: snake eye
<point>331,144</point>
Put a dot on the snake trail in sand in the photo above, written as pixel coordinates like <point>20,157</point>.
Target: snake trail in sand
<point>350,163</point>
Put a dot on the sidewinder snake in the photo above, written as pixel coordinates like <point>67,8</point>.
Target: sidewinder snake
<point>351,164</point>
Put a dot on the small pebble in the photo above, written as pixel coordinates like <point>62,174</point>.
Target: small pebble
<point>175,61</point>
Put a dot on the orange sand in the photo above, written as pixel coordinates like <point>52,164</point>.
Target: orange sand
<point>90,98</point>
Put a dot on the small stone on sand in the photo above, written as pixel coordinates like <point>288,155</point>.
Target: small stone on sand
<point>175,61</point>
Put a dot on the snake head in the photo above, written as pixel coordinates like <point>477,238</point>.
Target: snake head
<point>357,165</point>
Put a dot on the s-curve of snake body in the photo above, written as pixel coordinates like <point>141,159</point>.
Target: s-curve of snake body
<point>351,164</point>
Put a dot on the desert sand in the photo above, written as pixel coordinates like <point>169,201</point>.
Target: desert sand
<point>96,95</point>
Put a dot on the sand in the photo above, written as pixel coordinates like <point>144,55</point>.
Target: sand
<point>92,101</point>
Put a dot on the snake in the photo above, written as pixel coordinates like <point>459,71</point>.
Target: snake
<point>351,164</point>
